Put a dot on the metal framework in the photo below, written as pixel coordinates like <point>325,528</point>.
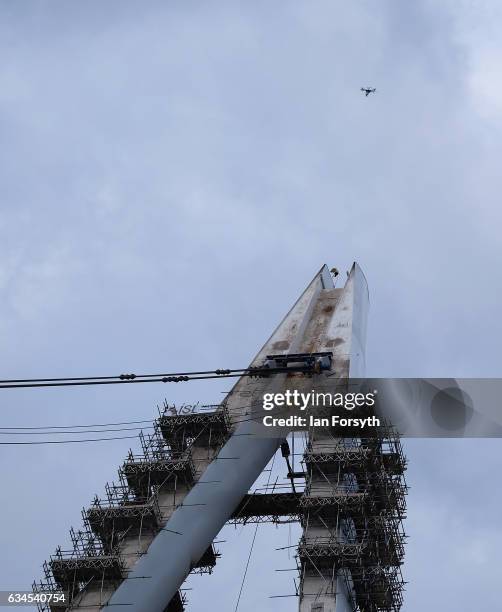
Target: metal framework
<point>353,509</point>
<point>117,527</point>
<point>354,488</point>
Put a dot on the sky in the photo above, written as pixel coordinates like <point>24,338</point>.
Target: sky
<point>172,174</point>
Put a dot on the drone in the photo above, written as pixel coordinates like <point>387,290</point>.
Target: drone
<point>368,90</point>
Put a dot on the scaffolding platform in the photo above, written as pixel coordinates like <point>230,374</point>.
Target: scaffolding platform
<point>71,570</point>
<point>372,456</point>
<point>86,561</point>
<point>331,551</point>
<point>109,521</point>
<point>282,507</point>
<point>267,507</point>
<point>379,495</point>
<point>364,502</point>
<point>335,502</point>
<point>143,473</point>
<point>181,430</point>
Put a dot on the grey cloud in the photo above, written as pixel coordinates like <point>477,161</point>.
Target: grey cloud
<point>171,177</point>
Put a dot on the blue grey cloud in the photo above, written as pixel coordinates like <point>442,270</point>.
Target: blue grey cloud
<point>172,175</point>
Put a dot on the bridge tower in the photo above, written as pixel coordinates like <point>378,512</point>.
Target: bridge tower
<point>193,474</point>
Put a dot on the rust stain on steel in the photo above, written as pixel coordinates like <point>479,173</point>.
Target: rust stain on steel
<point>282,345</point>
<point>335,342</point>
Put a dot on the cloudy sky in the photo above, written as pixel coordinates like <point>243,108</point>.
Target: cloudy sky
<point>172,174</point>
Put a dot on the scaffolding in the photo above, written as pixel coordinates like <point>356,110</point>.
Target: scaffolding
<point>179,431</point>
<point>374,589</point>
<point>72,570</point>
<point>352,510</point>
<point>353,507</point>
<point>268,508</point>
<point>111,518</point>
<point>118,526</point>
